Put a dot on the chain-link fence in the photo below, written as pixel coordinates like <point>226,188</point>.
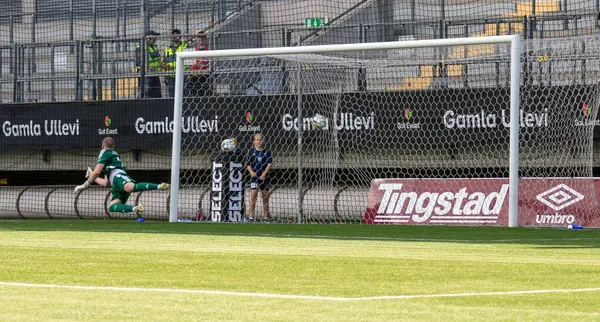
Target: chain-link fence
<point>31,21</point>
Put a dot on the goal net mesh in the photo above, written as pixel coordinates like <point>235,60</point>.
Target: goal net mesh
<point>423,113</point>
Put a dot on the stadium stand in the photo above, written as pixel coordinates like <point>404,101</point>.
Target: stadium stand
<point>63,50</point>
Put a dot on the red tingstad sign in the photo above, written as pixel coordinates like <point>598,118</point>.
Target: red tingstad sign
<point>477,202</point>
<point>395,201</point>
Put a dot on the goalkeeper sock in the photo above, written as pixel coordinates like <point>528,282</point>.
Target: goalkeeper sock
<point>143,186</point>
<point>120,208</point>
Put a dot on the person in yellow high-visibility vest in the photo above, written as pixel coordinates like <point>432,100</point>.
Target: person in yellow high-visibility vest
<point>153,64</point>
<point>170,58</point>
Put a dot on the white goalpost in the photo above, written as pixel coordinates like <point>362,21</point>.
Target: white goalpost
<point>358,61</point>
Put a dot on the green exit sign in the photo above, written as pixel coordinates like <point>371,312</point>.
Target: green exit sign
<point>314,22</point>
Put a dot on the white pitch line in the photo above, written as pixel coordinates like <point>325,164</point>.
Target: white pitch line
<point>292,296</point>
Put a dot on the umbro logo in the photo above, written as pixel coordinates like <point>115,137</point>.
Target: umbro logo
<point>559,197</point>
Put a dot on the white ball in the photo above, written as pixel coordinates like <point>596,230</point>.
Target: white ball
<point>319,121</point>
<point>228,145</point>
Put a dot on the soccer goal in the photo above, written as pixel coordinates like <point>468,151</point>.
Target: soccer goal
<point>441,131</point>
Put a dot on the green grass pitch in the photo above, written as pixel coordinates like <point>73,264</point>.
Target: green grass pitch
<point>122,270</point>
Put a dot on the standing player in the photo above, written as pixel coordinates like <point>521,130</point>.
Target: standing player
<point>258,163</point>
<point>122,185</point>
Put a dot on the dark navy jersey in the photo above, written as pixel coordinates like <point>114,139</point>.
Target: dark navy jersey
<point>259,160</point>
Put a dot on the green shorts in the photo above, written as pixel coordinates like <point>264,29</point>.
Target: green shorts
<point>118,187</point>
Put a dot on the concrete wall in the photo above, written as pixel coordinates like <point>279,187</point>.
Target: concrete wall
<point>291,14</point>
<point>347,30</point>
<point>228,35</point>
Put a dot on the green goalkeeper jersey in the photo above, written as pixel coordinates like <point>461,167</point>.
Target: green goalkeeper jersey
<point>112,163</point>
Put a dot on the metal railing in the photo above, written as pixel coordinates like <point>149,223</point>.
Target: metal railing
<point>104,68</point>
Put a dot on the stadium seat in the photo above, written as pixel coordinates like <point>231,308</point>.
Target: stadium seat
<point>525,8</point>
<point>125,88</point>
<point>522,9</point>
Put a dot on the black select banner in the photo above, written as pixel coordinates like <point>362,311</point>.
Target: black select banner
<point>355,121</point>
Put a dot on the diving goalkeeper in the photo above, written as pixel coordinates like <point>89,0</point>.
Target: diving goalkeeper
<point>122,184</point>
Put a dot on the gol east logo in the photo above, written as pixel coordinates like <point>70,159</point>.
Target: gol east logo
<point>107,130</point>
<point>408,123</point>
<point>587,119</point>
<point>250,118</point>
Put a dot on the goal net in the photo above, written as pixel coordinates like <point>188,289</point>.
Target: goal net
<point>415,133</point>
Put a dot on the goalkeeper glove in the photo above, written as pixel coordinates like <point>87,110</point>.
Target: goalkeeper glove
<point>82,187</point>
<point>88,172</point>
